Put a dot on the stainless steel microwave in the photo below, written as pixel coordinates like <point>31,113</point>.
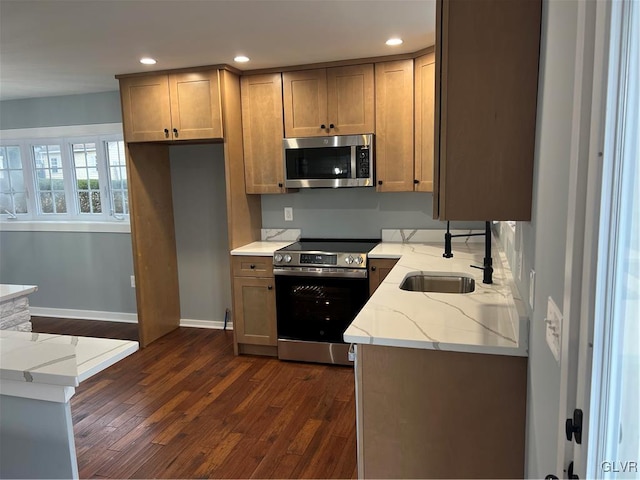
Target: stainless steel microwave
<point>338,161</point>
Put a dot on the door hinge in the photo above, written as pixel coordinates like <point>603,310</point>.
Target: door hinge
<point>573,426</point>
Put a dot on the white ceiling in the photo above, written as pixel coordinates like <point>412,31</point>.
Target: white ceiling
<point>64,47</point>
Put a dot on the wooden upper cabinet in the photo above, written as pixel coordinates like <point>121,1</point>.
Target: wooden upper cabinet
<point>332,101</point>
<point>262,133</point>
<point>195,105</point>
<point>487,79</point>
<point>394,126</point>
<point>425,90</point>
<point>146,109</point>
<point>182,106</point>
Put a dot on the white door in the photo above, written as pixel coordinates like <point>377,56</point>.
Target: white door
<point>606,374</point>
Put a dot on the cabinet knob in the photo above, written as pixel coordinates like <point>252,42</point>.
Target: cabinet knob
<point>416,181</point>
<point>331,125</point>
<point>270,287</point>
<point>175,132</point>
<point>379,182</point>
<point>373,268</point>
<point>166,132</point>
<point>252,266</point>
<point>280,185</point>
<point>323,126</point>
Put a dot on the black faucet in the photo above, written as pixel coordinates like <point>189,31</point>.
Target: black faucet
<point>487,266</point>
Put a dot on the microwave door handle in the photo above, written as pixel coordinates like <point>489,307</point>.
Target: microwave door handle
<point>354,172</point>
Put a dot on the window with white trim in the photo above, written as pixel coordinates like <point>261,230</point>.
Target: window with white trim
<point>64,179</point>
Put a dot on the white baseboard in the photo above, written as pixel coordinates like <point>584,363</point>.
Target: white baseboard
<point>119,317</point>
<point>84,314</point>
<point>213,324</point>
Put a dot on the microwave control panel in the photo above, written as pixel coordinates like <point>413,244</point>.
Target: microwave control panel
<point>363,164</point>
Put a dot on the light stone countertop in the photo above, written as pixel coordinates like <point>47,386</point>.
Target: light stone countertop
<point>261,248</point>
<point>8,292</point>
<point>490,320</point>
<point>61,360</point>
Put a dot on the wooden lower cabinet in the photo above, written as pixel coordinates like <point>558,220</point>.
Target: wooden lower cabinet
<point>437,414</point>
<point>254,306</point>
<point>379,268</point>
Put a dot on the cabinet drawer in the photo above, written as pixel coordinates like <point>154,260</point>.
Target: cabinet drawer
<point>244,266</point>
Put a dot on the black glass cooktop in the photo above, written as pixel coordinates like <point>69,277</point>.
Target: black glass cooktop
<point>331,245</point>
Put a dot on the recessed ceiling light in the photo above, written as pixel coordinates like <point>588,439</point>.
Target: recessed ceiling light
<point>241,59</point>
<point>394,41</point>
<point>148,61</point>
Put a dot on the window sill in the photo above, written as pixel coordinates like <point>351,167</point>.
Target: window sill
<point>57,226</point>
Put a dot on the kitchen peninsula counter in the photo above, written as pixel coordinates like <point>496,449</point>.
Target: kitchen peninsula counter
<point>490,320</point>
<point>38,376</point>
<point>260,248</point>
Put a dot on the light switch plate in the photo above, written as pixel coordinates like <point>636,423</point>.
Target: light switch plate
<point>288,214</point>
<point>133,281</point>
<point>553,328</point>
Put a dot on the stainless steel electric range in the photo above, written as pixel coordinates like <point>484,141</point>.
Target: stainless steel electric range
<point>321,285</point>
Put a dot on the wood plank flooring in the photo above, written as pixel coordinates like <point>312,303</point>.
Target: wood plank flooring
<point>186,407</point>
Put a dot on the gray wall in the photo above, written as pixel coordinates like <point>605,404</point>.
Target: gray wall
<point>200,216</point>
<point>82,271</point>
<point>352,212</point>
<point>543,239</point>
<point>64,110</point>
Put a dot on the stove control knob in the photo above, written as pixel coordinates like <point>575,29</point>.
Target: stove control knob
<point>349,260</point>
<point>287,258</point>
<point>278,257</point>
<point>359,260</point>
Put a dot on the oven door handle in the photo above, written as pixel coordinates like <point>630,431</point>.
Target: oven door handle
<point>344,273</point>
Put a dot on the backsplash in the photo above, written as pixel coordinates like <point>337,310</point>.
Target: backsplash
<point>353,212</point>
<point>428,236</point>
<point>280,234</point>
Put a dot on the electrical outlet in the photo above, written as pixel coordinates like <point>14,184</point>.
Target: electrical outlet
<point>532,287</point>
<point>288,214</point>
<point>133,281</point>
<point>554,328</point>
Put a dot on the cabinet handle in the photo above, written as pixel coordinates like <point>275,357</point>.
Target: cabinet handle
<point>323,126</point>
<point>270,287</point>
<point>379,182</point>
<point>331,125</point>
<point>175,132</point>
<point>166,132</point>
<point>373,268</point>
<point>280,185</point>
<point>252,266</point>
<point>416,181</point>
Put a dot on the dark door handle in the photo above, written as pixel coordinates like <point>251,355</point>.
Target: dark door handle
<point>252,266</point>
<point>270,287</point>
<point>175,132</point>
<point>373,268</point>
<point>570,473</point>
<point>331,125</point>
<point>551,476</point>
<point>379,182</point>
<point>166,132</point>
<point>323,126</point>
<point>573,426</point>
<point>280,185</point>
<point>416,181</point>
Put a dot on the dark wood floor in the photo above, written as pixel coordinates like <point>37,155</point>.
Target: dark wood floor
<point>185,407</point>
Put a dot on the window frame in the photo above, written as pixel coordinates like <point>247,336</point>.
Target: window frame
<point>66,137</point>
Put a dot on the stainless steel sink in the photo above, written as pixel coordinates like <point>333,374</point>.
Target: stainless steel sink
<point>441,283</point>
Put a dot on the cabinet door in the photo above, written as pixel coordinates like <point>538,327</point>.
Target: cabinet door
<point>255,310</point>
<point>146,109</point>
<point>425,89</point>
<point>195,105</point>
<point>379,268</point>
<point>305,103</point>
<point>394,126</point>
<point>488,95</point>
<point>350,96</point>
<point>262,133</point>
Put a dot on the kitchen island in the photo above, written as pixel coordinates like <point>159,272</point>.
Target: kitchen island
<point>441,377</point>
<point>14,307</point>
<point>38,376</point>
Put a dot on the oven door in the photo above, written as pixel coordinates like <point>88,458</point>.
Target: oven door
<point>318,309</point>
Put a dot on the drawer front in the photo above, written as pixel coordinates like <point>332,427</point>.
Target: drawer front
<point>244,266</point>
